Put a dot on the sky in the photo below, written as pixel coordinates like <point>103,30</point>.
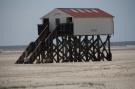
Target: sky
<point>19,18</point>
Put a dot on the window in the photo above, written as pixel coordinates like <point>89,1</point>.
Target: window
<point>69,19</point>
<point>57,20</point>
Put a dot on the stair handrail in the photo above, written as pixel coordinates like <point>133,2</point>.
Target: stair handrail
<point>24,54</point>
<point>34,52</point>
<point>41,34</point>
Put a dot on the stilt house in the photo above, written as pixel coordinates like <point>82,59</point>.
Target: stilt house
<point>71,35</point>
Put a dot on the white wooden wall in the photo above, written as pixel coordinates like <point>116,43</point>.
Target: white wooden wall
<point>83,26</point>
<point>56,14</point>
<point>93,26</point>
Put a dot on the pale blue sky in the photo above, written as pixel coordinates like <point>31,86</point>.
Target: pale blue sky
<point>19,18</point>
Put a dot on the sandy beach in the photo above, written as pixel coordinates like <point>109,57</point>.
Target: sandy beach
<point>116,74</point>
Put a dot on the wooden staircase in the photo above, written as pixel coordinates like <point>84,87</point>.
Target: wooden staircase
<point>32,51</point>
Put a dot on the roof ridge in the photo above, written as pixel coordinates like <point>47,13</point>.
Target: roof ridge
<point>77,8</point>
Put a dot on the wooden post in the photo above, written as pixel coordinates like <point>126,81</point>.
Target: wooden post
<point>109,49</point>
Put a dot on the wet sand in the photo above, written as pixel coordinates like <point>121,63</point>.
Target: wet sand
<point>117,74</point>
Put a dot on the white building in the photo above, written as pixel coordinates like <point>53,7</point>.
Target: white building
<point>86,21</point>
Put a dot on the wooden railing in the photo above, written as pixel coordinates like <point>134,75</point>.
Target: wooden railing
<point>30,54</point>
<point>28,50</point>
<point>36,51</point>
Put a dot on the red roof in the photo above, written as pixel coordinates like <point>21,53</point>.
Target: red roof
<point>85,12</point>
